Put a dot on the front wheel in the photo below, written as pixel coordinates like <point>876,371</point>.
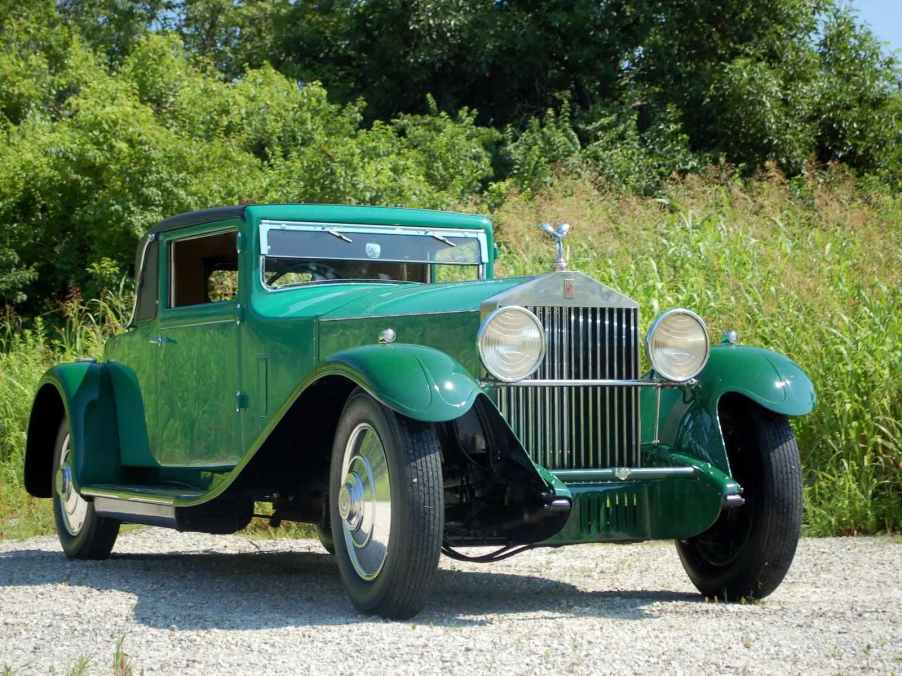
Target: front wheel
<point>386,507</point>
<point>324,533</point>
<point>82,533</point>
<point>748,551</point>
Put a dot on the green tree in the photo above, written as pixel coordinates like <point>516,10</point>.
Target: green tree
<point>95,153</point>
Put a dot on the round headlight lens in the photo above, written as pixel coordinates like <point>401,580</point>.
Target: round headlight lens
<point>511,343</point>
<point>677,345</point>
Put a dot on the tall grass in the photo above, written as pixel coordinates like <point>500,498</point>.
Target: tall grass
<point>811,268</point>
<point>27,349</point>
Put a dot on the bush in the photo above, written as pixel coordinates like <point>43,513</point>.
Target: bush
<point>545,146</point>
<point>125,148</point>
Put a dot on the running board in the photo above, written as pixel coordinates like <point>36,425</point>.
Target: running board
<point>161,505</point>
<point>131,511</point>
<point>147,505</point>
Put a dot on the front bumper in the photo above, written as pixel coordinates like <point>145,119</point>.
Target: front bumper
<point>676,497</point>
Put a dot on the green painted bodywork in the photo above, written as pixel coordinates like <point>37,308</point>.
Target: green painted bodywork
<point>86,390</point>
<point>689,415</point>
<point>419,382</point>
<point>186,399</point>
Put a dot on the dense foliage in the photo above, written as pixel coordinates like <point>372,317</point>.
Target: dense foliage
<point>770,79</point>
<point>115,114</point>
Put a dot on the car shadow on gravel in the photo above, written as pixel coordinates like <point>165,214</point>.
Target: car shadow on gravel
<point>214,590</point>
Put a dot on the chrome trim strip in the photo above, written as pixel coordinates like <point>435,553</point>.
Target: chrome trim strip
<point>637,412</point>
<point>191,325</point>
<point>588,383</point>
<point>603,345</point>
<point>622,474</point>
<point>133,511</point>
<point>385,317</point>
<point>133,499</point>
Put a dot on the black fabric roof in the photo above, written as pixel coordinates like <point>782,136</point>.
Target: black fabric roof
<point>198,217</point>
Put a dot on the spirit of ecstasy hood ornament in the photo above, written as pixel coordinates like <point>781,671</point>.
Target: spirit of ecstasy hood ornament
<point>558,235</point>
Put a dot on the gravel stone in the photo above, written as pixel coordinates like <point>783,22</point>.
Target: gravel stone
<point>199,604</point>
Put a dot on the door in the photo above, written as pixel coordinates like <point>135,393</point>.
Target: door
<point>197,383</point>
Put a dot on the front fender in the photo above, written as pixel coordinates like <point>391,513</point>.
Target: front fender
<point>770,379</point>
<point>689,417</point>
<point>85,393</point>
<point>416,381</point>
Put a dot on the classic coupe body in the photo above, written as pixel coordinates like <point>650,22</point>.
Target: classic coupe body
<point>362,369</point>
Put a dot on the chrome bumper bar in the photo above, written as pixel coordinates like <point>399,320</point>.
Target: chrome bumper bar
<point>622,474</point>
<point>588,383</point>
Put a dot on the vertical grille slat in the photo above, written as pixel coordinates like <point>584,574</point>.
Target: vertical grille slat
<point>581,427</point>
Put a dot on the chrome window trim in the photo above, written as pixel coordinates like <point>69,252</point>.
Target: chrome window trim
<point>169,240</point>
<point>140,279</point>
<point>320,226</point>
<point>332,282</point>
<point>307,226</point>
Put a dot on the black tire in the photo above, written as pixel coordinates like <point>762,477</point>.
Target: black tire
<point>95,537</point>
<point>748,551</point>
<point>413,460</point>
<point>324,533</point>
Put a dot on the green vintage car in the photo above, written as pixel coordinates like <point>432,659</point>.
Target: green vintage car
<point>362,369</point>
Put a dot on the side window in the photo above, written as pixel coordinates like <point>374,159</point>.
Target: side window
<point>146,305</point>
<point>203,270</point>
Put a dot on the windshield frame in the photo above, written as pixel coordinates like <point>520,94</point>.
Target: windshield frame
<point>266,226</point>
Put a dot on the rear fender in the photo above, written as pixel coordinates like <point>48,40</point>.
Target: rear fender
<point>83,392</point>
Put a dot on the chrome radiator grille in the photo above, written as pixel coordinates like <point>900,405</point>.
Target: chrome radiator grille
<point>581,427</point>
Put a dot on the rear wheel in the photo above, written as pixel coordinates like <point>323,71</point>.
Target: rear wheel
<point>748,551</point>
<point>386,507</point>
<point>82,534</point>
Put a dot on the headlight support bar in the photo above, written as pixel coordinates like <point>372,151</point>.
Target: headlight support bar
<point>589,383</point>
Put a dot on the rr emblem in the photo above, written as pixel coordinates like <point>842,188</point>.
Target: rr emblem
<point>569,288</point>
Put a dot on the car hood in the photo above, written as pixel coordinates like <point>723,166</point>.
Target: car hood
<point>367,300</point>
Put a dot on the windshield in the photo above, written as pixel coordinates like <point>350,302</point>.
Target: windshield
<point>301,254</point>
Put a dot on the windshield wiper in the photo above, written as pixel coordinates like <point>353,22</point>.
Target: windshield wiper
<point>340,235</point>
<point>442,238</point>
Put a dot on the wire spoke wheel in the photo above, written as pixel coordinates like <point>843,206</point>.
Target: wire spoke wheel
<point>364,501</point>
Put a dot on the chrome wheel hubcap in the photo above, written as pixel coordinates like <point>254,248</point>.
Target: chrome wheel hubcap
<point>364,501</point>
<point>73,507</point>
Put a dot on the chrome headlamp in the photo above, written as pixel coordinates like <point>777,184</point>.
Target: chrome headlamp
<point>511,343</point>
<point>677,345</point>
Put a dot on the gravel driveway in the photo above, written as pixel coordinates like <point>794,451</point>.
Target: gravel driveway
<point>188,604</point>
